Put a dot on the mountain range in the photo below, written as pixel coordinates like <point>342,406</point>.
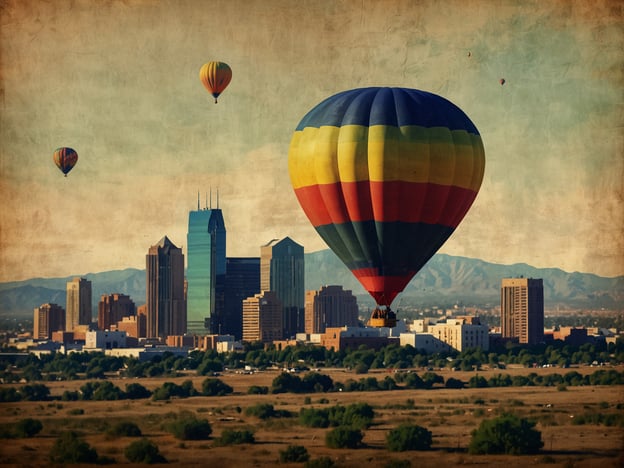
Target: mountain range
<point>444,281</point>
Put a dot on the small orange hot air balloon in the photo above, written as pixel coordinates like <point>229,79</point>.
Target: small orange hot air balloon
<point>502,81</point>
<point>65,159</point>
<point>215,76</point>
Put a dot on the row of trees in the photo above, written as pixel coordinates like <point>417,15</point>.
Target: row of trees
<point>58,366</point>
<point>311,382</point>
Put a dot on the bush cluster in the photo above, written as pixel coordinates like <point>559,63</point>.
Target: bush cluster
<point>233,437</point>
<point>186,426</point>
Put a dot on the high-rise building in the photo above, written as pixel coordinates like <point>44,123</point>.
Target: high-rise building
<point>48,318</point>
<point>242,280</point>
<point>522,309</point>
<point>282,271</point>
<point>262,317</point>
<point>112,308</point>
<point>166,304</point>
<point>78,304</point>
<point>205,273</point>
<point>330,306</point>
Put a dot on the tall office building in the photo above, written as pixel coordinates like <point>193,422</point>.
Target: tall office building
<point>262,317</point>
<point>78,308</point>
<point>48,318</point>
<point>282,271</point>
<point>166,304</point>
<point>522,309</point>
<point>112,308</point>
<point>242,280</point>
<point>330,306</point>
<point>205,273</point>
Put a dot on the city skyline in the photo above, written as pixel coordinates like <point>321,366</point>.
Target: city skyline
<point>122,88</point>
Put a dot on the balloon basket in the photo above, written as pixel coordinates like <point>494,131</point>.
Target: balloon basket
<point>382,318</point>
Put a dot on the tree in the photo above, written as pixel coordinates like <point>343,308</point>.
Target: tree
<point>232,437</point>
<point>506,434</point>
<point>144,451</point>
<point>215,387</point>
<point>286,382</point>
<point>408,437</point>
<point>266,411</point>
<point>69,448</point>
<point>188,427</point>
<point>125,429</point>
<point>35,392</point>
<point>452,382</point>
<point>27,427</point>
<point>294,454</point>
<point>344,437</point>
<point>136,391</point>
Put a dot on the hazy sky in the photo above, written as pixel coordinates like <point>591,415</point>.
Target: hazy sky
<point>118,82</point>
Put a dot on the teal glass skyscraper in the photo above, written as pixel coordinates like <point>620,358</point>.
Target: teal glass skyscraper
<point>205,274</point>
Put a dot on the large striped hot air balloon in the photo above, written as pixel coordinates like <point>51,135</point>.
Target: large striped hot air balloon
<point>215,76</point>
<point>65,159</point>
<point>385,175</point>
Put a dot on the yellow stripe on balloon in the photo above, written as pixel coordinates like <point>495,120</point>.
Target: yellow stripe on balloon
<point>354,153</point>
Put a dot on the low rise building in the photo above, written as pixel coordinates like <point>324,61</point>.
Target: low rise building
<point>354,337</point>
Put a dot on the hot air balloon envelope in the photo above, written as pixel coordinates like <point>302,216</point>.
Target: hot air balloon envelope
<point>215,76</point>
<point>385,175</point>
<point>65,159</point>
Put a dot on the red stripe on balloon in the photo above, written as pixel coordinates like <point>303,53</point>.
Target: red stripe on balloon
<point>383,288</point>
<point>391,201</point>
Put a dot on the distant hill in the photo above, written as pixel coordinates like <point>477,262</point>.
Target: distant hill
<point>444,281</point>
<point>447,280</point>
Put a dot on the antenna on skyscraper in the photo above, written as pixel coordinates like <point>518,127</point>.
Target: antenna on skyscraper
<point>211,197</point>
<point>198,200</point>
<point>217,198</point>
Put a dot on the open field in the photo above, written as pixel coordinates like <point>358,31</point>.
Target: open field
<point>449,414</point>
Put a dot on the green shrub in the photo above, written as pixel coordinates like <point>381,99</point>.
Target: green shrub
<point>170,389</point>
<point>506,434</point>
<point>311,417</point>
<point>27,428</point>
<point>144,451</point>
<point>75,412</point>
<point>408,437</point>
<point>215,387</point>
<point>258,390</point>
<point>294,454</point>
<point>344,437</point>
<point>69,448</point>
<point>452,382</point>
<point>136,391</point>
<point>188,427</point>
<point>125,429</point>
<point>232,437</point>
<point>266,411</point>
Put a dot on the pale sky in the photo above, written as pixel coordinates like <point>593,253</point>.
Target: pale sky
<point>118,82</point>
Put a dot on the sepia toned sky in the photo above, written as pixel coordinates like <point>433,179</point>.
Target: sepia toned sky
<point>118,81</point>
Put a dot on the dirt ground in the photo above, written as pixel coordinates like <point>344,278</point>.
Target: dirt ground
<point>449,414</point>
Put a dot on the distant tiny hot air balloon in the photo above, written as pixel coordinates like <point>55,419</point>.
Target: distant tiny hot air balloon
<point>65,159</point>
<point>215,76</point>
<point>469,54</point>
<point>502,81</point>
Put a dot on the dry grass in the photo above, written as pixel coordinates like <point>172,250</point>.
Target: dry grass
<point>451,415</point>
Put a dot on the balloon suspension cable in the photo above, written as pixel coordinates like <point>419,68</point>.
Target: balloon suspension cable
<point>216,101</point>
